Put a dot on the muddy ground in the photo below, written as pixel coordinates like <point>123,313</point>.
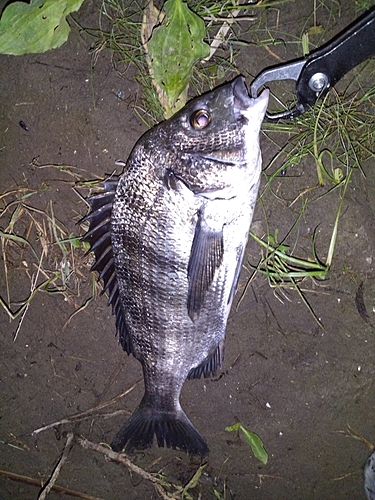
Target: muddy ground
<point>295,384</point>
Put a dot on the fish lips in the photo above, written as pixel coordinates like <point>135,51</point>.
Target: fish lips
<point>242,101</point>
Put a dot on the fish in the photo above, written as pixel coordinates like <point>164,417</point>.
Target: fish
<point>369,477</point>
<point>169,236</point>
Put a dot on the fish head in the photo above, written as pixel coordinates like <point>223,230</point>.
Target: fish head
<point>213,137</point>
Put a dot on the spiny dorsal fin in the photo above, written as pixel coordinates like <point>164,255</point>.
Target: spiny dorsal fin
<point>99,237</point>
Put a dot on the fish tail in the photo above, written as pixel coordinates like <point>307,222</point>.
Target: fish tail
<point>172,429</point>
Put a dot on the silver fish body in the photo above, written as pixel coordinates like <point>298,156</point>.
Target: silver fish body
<point>169,239</point>
<point>369,477</point>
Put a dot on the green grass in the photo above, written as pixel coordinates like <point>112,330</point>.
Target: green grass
<point>336,136</point>
<point>120,28</point>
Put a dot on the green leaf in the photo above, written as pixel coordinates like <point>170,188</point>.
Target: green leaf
<point>218,495</point>
<point>256,445</point>
<point>193,482</point>
<point>254,441</point>
<point>175,46</point>
<point>233,427</point>
<point>35,27</point>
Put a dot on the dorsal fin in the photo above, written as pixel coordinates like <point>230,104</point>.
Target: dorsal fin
<point>99,237</point>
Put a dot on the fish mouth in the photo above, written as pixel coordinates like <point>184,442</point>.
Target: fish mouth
<point>242,100</point>
<point>219,158</point>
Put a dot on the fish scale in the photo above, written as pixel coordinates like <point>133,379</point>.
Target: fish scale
<point>169,236</point>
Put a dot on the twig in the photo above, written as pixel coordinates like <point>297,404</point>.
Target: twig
<point>222,33</point>
<point>52,480</point>
<point>88,413</point>
<point>77,418</point>
<point>123,459</point>
<point>32,290</point>
<point>273,53</point>
<point>36,482</point>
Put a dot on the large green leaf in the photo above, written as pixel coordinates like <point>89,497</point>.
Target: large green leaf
<point>35,27</point>
<point>175,46</point>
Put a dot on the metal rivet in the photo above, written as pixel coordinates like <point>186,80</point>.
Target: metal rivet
<point>318,82</point>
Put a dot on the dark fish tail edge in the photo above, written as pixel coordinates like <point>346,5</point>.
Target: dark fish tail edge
<point>171,430</point>
<point>99,237</point>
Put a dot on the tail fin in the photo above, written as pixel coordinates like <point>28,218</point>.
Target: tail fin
<point>172,429</point>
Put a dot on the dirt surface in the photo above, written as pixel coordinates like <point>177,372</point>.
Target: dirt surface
<point>298,386</point>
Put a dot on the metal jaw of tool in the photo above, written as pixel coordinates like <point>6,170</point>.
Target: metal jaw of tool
<point>318,72</point>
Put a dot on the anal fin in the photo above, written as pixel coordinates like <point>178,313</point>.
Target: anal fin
<point>210,365</point>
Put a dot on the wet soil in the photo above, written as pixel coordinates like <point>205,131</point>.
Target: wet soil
<point>295,384</point>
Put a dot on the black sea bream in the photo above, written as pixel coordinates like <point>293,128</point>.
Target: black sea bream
<point>369,475</point>
<point>169,237</point>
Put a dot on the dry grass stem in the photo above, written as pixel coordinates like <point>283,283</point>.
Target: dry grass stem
<point>123,459</point>
<point>34,239</point>
<point>90,412</point>
<point>32,290</point>
<point>219,38</point>
<point>350,432</point>
<point>37,482</point>
<point>52,480</point>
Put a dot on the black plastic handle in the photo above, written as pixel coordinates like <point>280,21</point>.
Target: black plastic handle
<point>318,72</point>
<point>327,65</point>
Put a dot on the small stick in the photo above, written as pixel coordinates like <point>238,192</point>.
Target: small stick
<point>219,38</point>
<point>32,290</point>
<point>273,53</point>
<point>77,418</point>
<point>52,480</point>
<point>36,482</point>
<point>221,34</point>
<point>87,413</point>
<point>123,459</point>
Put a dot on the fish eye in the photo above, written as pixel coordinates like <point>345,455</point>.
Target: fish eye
<point>200,119</point>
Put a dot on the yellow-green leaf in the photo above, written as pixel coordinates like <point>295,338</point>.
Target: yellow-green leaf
<point>35,27</point>
<point>254,441</point>
<point>175,46</point>
<point>256,445</point>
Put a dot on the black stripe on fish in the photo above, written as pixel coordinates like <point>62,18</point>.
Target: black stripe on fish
<point>173,429</point>
<point>206,256</point>
<point>99,237</point>
<point>210,364</point>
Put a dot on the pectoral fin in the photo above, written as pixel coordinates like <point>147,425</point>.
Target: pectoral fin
<point>205,257</point>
